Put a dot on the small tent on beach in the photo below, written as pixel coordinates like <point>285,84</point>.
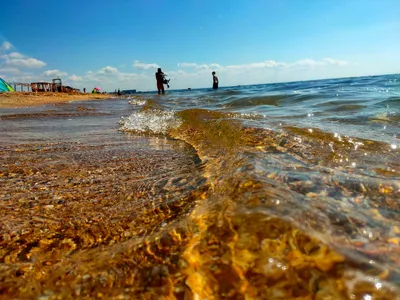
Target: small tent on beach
<point>5,87</point>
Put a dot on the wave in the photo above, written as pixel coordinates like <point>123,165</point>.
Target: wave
<point>276,100</point>
<point>228,92</point>
<point>387,117</point>
<point>150,121</point>
<point>255,101</point>
<point>346,108</point>
<point>393,102</point>
<point>138,102</point>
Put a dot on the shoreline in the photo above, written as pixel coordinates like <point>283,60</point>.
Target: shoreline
<point>28,99</point>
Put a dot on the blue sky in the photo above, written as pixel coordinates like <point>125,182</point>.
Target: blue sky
<point>119,44</point>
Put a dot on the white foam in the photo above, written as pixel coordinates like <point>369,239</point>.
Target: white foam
<point>137,102</point>
<point>153,121</point>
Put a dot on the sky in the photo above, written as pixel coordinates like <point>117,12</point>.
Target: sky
<point>121,43</point>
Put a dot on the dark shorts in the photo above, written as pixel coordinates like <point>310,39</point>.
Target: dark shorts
<point>215,86</point>
<point>160,86</point>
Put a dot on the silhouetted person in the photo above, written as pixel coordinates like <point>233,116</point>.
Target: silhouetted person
<point>84,90</point>
<point>160,81</point>
<point>215,81</point>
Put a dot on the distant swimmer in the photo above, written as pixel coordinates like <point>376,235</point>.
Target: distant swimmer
<point>215,81</point>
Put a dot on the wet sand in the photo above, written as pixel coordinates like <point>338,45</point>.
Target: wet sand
<point>25,99</point>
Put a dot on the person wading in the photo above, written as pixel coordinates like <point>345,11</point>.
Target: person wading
<point>160,81</point>
<point>215,81</point>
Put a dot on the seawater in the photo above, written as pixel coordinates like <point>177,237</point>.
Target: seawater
<point>291,190</point>
<point>365,107</point>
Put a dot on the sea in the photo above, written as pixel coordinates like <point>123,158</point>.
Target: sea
<point>269,191</point>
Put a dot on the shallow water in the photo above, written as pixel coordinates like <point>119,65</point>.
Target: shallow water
<point>280,191</point>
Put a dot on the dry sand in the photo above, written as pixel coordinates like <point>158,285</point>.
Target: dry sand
<point>24,99</point>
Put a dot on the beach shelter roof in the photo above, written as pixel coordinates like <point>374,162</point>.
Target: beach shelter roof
<point>5,87</point>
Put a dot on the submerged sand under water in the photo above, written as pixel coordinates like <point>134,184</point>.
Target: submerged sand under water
<point>69,211</point>
<point>201,216</point>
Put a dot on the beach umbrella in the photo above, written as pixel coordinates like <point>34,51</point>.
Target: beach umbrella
<point>97,88</point>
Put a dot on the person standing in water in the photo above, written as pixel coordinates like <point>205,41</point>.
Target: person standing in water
<point>215,81</point>
<point>160,81</point>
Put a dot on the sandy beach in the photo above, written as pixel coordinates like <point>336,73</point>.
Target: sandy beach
<point>25,99</point>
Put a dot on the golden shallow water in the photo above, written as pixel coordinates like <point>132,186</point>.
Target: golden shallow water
<point>69,211</point>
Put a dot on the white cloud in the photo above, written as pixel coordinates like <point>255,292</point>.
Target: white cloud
<point>75,78</point>
<point>324,62</point>
<point>25,63</point>
<point>336,62</point>
<point>110,79</point>
<point>187,65</point>
<point>6,46</point>
<point>10,71</point>
<point>18,60</point>
<point>54,73</point>
<point>266,64</point>
<point>307,63</point>
<point>143,66</point>
<point>215,66</point>
<point>108,70</point>
<point>12,55</point>
<point>112,74</point>
<point>191,74</point>
<point>208,67</point>
<point>199,66</point>
<point>15,55</point>
<point>25,78</point>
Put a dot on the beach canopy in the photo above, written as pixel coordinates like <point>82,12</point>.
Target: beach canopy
<point>5,87</point>
<point>97,88</point>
